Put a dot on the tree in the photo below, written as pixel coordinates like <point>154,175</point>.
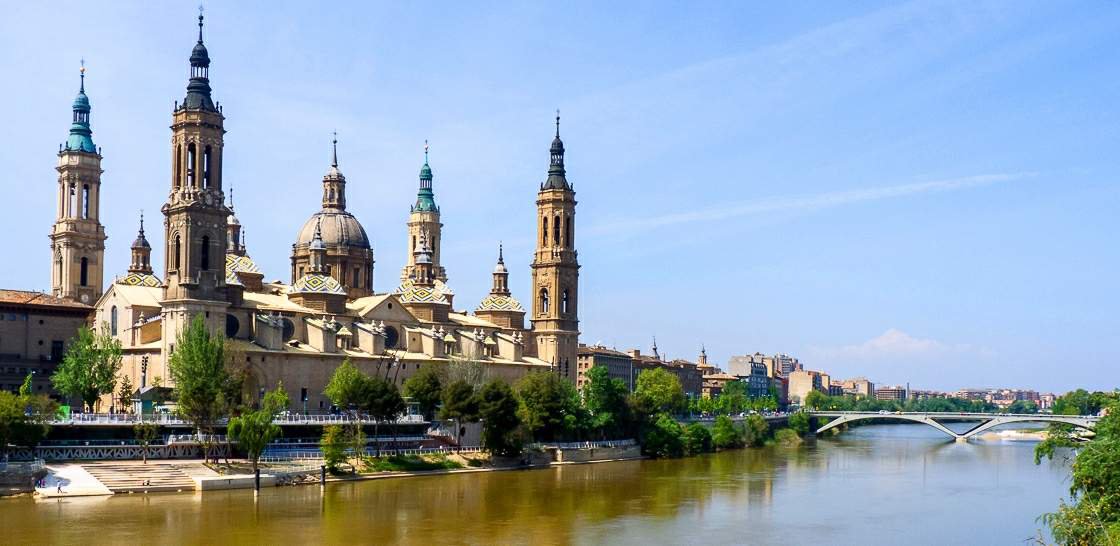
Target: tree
<point>497,407</point>
<point>89,367</point>
<point>725,434</point>
<point>815,399</point>
<point>254,430</point>
<point>548,406</point>
<point>385,404</point>
<point>799,422</point>
<point>145,433</point>
<point>24,419</point>
<point>733,398</point>
<point>425,388</point>
<point>756,430</point>
<point>347,387</point>
<point>460,405</point>
<point>198,370</point>
<point>664,438</point>
<point>1022,406</point>
<point>1093,514</point>
<point>25,388</point>
<point>697,439</point>
<point>605,400</point>
<point>334,445</point>
<point>659,391</point>
<point>124,393</point>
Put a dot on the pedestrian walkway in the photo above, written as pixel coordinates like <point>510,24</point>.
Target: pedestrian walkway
<point>130,477</point>
<point>74,482</point>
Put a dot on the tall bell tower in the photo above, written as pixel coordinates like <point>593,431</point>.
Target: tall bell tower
<point>423,221</point>
<point>555,316</point>
<point>77,237</point>
<point>195,214</point>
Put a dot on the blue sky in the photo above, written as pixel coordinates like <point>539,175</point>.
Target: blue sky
<point>920,192</point>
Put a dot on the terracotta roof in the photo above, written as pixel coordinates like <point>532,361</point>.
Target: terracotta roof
<point>599,350</point>
<point>23,297</point>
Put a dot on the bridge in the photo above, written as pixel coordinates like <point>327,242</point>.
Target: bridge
<point>985,421</point>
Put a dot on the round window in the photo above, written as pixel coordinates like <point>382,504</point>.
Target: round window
<point>391,337</point>
<point>289,328</point>
<point>232,325</point>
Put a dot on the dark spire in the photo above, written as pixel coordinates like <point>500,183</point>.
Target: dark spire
<point>141,241</point>
<point>425,198</point>
<point>198,90</point>
<point>501,260</point>
<point>556,175</point>
<point>80,138</point>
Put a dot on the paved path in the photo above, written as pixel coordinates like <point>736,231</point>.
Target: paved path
<point>76,482</point>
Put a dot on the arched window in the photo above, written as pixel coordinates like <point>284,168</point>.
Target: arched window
<point>556,230</point>
<point>178,166</point>
<point>544,232</point>
<point>85,200</point>
<point>113,320</point>
<point>177,253</point>
<point>357,277</point>
<point>544,300</point>
<point>84,276</point>
<point>207,166</point>
<point>190,165</point>
<point>564,302</point>
<point>72,201</point>
<point>205,253</point>
<point>568,231</point>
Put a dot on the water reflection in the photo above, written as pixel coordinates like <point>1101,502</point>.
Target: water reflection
<point>873,484</point>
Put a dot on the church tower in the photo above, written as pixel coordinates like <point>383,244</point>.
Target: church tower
<point>555,316</point>
<point>141,253</point>
<point>195,215</point>
<point>77,237</point>
<point>423,219</point>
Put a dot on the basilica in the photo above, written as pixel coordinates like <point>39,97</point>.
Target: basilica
<point>299,332</point>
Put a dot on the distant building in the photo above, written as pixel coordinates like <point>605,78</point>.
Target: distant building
<point>619,364</point>
<point>897,394</point>
<point>1046,401</point>
<point>688,373</point>
<point>34,331</point>
<point>801,383</point>
<point>859,387</point>
<point>714,384</point>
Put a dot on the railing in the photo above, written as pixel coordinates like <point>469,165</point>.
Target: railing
<point>23,467</point>
<point>318,455</point>
<point>168,419</point>
<point>196,438</point>
<point>954,414</point>
<point>583,445</point>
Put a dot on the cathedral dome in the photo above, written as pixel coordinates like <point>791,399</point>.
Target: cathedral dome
<point>338,228</point>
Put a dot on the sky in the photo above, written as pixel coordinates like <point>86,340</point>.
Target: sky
<point>920,192</point>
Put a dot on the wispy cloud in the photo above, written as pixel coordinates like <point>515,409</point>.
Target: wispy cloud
<point>802,203</point>
<point>895,344</point>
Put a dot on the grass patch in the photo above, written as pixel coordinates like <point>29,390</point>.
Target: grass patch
<point>409,463</point>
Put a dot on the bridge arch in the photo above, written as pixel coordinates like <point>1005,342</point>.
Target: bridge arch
<point>987,421</point>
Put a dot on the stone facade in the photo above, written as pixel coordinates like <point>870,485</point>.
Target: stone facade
<point>35,329</point>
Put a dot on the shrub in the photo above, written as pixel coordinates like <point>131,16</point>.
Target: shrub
<point>725,435</point>
<point>664,438</point>
<point>697,439</point>
<point>799,422</point>
<point>787,437</point>
<point>756,430</point>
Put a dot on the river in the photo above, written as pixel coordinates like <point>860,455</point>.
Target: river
<point>877,484</point>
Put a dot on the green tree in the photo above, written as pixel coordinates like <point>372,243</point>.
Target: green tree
<point>1093,514</point>
<point>24,419</point>
<point>347,387</point>
<point>664,437</point>
<point>1022,406</point>
<point>254,430</point>
<point>385,403</point>
<point>605,400</point>
<point>425,388</point>
<point>25,388</point>
<point>460,405</point>
<point>799,423</point>
<point>725,434</point>
<point>197,368</point>
<point>124,394</point>
<point>497,406</point>
<point>548,406</point>
<point>815,400</point>
<point>697,439</point>
<point>733,399</point>
<point>756,430</point>
<point>334,446</point>
<point>89,367</point>
<point>145,433</point>
<point>658,391</point>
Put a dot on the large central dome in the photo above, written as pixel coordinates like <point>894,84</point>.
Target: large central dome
<point>338,228</point>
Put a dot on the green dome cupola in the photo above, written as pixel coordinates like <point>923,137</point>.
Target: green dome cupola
<point>80,139</point>
<point>425,198</point>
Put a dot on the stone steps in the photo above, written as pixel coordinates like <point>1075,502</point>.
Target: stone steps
<point>139,478</point>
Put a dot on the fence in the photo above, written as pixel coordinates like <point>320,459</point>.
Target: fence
<point>21,467</point>
<point>583,445</point>
<point>315,455</point>
<point>122,419</point>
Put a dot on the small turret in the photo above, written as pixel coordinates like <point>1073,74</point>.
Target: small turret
<point>141,252</point>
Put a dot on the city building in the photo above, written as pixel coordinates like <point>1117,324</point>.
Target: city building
<point>897,394</point>
<point>801,383</point>
<point>859,387</point>
<point>35,329</point>
<point>330,310</point>
<point>619,364</point>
